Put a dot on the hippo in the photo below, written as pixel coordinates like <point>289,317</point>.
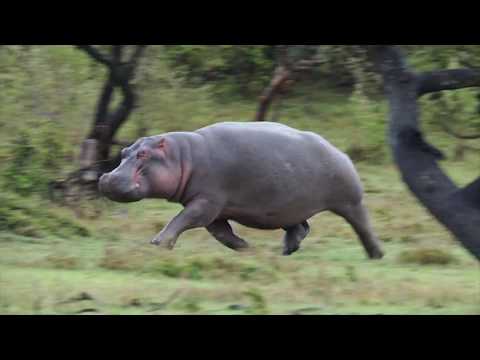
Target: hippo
<point>262,175</point>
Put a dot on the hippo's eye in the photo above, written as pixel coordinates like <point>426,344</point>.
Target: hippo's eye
<point>141,154</point>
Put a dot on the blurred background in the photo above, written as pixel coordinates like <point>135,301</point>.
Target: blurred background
<point>67,111</point>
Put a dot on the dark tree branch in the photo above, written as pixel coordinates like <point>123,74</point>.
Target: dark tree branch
<point>457,209</point>
<point>284,72</point>
<point>101,114</point>
<point>124,110</point>
<point>435,81</point>
<point>281,76</point>
<point>117,51</point>
<point>121,114</point>
<point>471,194</point>
<point>139,50</point>
<point>95,54</point>
<point>282,55</point>
<point>108,121</point>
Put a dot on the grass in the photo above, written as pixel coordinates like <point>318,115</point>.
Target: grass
<point>112,269</point>
<point>123,274</point>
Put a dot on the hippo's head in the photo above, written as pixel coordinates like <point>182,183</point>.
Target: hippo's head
<point>150,168</point>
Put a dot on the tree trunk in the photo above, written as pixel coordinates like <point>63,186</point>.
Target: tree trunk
<point>95,157</point>
<point>280,77</point>
<point>283,75</point>
<point>457,209</point>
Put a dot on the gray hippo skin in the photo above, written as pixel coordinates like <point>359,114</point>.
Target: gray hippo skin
<point>262,175</point>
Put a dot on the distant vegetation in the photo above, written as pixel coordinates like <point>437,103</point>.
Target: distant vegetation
<point>56,245</point>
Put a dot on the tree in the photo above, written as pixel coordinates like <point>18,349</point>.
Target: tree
<point>291,61</point>
<point>458,209</point>
<point>95,158</point>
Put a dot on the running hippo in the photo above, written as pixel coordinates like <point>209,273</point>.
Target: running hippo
<point>262,175</point>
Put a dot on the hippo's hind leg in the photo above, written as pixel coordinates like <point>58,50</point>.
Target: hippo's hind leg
<point>357,216</point>
<point>293,237</point>
<point>223,232</point>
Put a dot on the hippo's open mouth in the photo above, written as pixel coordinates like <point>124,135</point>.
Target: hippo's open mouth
<point>120,189</point>
<point>140,178</point>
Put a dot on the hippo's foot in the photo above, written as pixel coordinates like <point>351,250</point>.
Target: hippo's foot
<point>358,217</point>
<point>376,254</point>
<point>164,242</point>
<point>293,238</point>
<point>287,251</point>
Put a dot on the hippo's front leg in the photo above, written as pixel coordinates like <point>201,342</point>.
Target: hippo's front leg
<point>198,213</point>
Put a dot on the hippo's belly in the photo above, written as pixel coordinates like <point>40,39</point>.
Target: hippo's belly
<point>269,219</point>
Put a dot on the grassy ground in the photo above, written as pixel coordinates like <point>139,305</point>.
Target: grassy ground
<point>116,271</point>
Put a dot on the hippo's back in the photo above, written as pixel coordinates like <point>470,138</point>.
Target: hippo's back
<point>263,135</point>
<point>265,128</point>
<point>273,173</point>
<point>267,143</point>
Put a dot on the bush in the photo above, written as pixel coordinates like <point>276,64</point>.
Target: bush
<point>34,159</point>
<point>427,257</point>
<point>24,218</point>
<point>243,69</point>
<point>368,141</point>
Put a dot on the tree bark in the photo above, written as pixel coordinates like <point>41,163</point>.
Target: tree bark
<point>280,77</point>
<point>283,74</point>
<point>457,209</point>
<point>107,122</point>
<point>448,80</point>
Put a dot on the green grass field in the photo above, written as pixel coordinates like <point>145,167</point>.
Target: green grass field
<point>114,270</point>
<point>118,272</point>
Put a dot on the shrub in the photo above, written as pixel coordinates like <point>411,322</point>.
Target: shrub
<point>29,218</point>
<point>427,257</point>
<point>243,69</point>
<point>34,159</point>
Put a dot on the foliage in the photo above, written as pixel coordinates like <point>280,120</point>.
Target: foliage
<point>35,158</point>
<point>243,69</point>
<point>29,218</point>
<point>368,139</point>
<point>427,256</point>
<point>435,57</point>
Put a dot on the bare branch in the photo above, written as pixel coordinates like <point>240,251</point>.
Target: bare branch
<point>121,114</point>
<point>121,143</point>
<point>95,54</point>
<point>139,50</point>
<point>304,65</point>
<point>284,72</point>
<point>117,51</point>
<point>280,77</point>
<point>471,194</point>
<point>103,103</point>
<point>435,81</point>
